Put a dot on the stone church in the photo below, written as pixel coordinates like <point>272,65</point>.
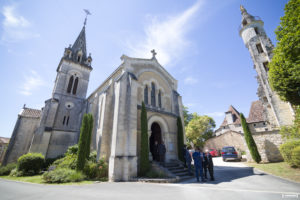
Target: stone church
<point>115,105</point>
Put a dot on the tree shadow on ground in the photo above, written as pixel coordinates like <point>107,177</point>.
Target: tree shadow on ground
<point>227,174</point>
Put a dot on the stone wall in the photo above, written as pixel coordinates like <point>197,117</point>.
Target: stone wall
<point>3,147</point>
<point>268,143</point>
<point>229,138</point>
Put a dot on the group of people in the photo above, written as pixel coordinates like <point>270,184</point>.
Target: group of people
<point>202,162</point>
<point>158,152</point>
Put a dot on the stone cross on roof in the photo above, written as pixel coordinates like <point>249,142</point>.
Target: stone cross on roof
<point>153,53</point>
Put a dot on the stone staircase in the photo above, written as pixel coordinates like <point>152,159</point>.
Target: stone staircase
<point>176,168</point>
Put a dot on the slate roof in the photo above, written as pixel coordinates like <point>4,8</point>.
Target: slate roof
<point>4,140</point>
<point>236,117</point>
<point>256,112</point>
<point>29,112</point>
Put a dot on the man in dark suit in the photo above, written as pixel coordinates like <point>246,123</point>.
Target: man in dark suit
<point>208,165</point>
<point>198,160</point>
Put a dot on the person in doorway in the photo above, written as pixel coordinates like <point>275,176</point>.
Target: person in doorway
<point>209,166</point>
<point>188,160</point>
<point>162,152</point>
<point>198,159</point>
<point>155,151</point>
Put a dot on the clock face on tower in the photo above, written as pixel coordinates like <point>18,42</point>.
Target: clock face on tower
<point>69,105</point>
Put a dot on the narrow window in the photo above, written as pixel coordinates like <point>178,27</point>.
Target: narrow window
<point>64,120</point>
<point>259,48</point>
<point>68,120</point>
<point>265,64</point>
<point>78,58</point>
<point>146,95</point>
<point>254,124</point>
<point>159,99</point>
<point>153,103</point>
<point>75,85</point>
<point>256,30</point>
<point>70,84</point>
<point>244,22</point>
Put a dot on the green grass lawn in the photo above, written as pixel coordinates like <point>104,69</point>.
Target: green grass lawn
<point>281,169</point>
<point>38,179</point>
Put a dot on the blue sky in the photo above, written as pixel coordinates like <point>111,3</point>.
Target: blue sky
<point>196,41</point>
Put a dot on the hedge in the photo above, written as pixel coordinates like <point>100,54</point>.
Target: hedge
<point>286,151</point>
<point>30,163</point>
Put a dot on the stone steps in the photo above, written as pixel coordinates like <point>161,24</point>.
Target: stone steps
<point>176,168</point>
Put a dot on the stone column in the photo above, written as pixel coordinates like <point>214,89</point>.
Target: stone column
<point>123,158</point>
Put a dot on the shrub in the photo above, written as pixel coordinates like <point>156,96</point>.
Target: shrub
<point>250,141</point>
<point>93,156</point>
<point>155,174</point>
<point>96,171</point>
<point>50,161</point>
<point>66,162</point>
<point>296,156</point>
<point>5,170</point>
<point>16,173</point>
<point>63,175</point>
<point>72,150</point>
<point>30,163</point>
<point>144,156</point>
<point>286,150</point>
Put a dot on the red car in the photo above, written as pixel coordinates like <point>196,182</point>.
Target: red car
<point>213,152</point>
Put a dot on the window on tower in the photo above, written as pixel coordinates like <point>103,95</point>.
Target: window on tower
<point>153,102</point>
<point>146,95</point>
<point>256,30</point>
<point>75,86</point>
<point>159,99</point>
<point>244,22</point>
<point>64,120</point>
<point>259,48</point>
<point>70,84</point>
<point>78,58</point>
<point>265,64</point>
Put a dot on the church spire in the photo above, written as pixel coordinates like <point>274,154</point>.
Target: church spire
<point>246,17</point>
<point>80,44</point>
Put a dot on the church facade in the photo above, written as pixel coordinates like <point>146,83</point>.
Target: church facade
<point>115,105</point>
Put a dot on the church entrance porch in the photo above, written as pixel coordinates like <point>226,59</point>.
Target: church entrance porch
<point>155,140</point>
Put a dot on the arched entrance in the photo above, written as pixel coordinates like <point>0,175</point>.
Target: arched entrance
<point>155,137</point>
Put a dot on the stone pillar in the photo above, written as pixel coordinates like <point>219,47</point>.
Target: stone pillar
<point>123,158</point>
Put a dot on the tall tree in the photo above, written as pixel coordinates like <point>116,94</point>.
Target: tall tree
<point>199,129</point>
<point>187,116</point>
<point>144,156</point>
<point>250,141</point>
<point>89,136</point>
<point>285,65</point>
<point>85,131</point>
<point>180,139</point>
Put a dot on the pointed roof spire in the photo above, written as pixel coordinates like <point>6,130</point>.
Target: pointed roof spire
<point>246,17</point>
<point>80,43</point>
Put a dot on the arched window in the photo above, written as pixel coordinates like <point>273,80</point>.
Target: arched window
<point>78,58</point>
<point>159,98</point>
<point>75,85</point>
<point>64,120</point>
<point>153,103</point>
<point>146,95</point>
<point>70,84</point>
<point>68,120</point>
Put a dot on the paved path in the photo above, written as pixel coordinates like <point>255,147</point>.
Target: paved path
<point>233,181</point>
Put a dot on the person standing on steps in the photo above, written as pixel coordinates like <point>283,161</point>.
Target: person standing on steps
<point>162,153</point>
<point>198,159</point>
<point>188,160</point>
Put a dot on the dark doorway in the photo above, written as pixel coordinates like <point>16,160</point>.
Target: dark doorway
<point>155,136</point>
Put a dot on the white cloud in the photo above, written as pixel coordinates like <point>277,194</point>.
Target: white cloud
<point>215,114</point>
<point>190,81</point>
<point>15,26</point>
<point>167,36</point>
<point>32,82</point>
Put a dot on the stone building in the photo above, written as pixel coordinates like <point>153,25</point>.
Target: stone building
<point>115,105</point>
<point>3,146</point>
<point>269,112</point>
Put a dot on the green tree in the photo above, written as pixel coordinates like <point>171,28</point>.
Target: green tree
<point>144,156</point>
<point>180,139</point>
<point>250,141</point>
<point>85,132</point>
<point>293,131</point>
<point>187,116</point>
<point>89,138</point>
<point>199,129</point>
<point>285,65</point>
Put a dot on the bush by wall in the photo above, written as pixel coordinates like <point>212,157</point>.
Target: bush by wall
<point>5,170</point>
<point>180,141</point>
<point>96,171</point>
<point>30,163</point>
<point>286,151</point>
<point>296,156</point>
<point>250,141</point>
<point>63,175</point>
<point>144,156</point>
<point>69,162</point>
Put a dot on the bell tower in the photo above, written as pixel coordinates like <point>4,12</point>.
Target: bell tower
<point>61,117</point>
<point>277,112</point>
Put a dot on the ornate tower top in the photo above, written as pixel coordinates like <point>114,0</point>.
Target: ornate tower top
<point>246,17</point>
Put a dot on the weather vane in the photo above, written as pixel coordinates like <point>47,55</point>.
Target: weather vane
<point>87,12</point>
